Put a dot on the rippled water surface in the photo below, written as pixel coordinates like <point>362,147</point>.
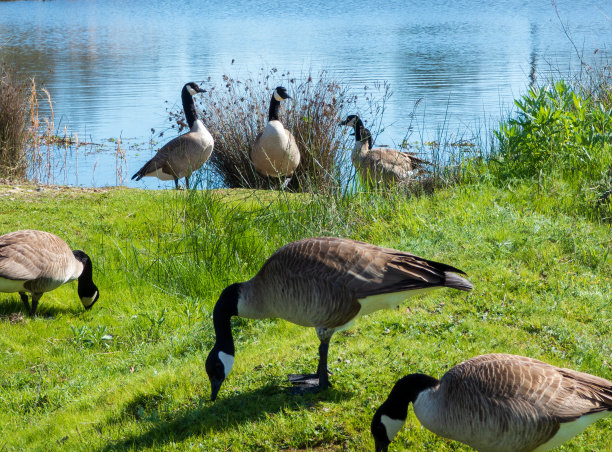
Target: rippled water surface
<point>110,66</point>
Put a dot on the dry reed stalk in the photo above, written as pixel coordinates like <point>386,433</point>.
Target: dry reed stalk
<point>13,132</point>
<point>238,111</point>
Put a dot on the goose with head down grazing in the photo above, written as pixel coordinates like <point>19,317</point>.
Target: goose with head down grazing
<point>325,283</point>
<point>275,152</point>
<point>381,165</point>
<point>497,403</point>
<point>36,262</point>
<point>183,155</point>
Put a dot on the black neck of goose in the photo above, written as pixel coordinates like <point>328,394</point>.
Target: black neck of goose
<point>226,307</point>
<point>274,108</point>
<point>361,133</point>
<point>86,287</point>
<point>189,107</point>
<point>406,391</point>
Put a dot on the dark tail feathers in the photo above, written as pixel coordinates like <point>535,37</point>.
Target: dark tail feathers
<point>457,282</point>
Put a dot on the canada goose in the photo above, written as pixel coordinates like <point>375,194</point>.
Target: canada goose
<point>325,283</point>
<point>186,153</point>
<point>497,402</point>
<point>275,152</point>
<point>38,262</point>
<point>381,165</point>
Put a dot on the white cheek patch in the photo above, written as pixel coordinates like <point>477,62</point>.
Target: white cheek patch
<point>191,90</point>
<point>227,360</point>
<point>392,426</point>
<point>87,301</point>
<point>277,96</point>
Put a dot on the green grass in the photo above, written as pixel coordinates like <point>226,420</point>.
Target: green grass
<point>129,374</point>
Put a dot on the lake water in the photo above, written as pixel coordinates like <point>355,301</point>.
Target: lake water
<point>111,66</point>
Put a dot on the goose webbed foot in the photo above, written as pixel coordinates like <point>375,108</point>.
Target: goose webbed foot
<point>307,383</point>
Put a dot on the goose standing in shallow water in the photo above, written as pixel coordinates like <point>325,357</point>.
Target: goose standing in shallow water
<point>275,152</point>
<point>181,156</point>
<point>381,165</point>
<point>497,403</point>
<point>325,283</point>
<point>36,262</point>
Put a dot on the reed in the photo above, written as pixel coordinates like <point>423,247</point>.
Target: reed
<point>237,111</point>
<point>13,126</point>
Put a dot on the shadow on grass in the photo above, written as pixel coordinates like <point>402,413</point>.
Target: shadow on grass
<point>11,305</point>
<point>208,417</point>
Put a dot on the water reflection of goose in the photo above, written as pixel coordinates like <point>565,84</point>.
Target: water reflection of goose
<point>181,156</point>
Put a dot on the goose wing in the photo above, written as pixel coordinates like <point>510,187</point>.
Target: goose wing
<point>394,162</point>
<point>256,145</point>
<point>527,385</point>
<point>173,158</point>
<point>362,268</point>
<point>28,254</point>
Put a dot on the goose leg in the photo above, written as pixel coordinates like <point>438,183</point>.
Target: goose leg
<point>187,182</point>
<point>24,299</point>
<point>322,369</point>
<point>35,298</point>
<point>176,187</point>
<point>285,184</point>
<point>319,381</point>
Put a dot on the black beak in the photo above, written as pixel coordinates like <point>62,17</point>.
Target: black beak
<point>215,385</point>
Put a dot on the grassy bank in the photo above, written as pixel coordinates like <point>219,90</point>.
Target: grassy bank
<point>129,374</point>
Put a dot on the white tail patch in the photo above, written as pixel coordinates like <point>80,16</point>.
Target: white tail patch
<point>392,426</point>
<point>387,300</point>
<point>227,360</point>
<point>570,429</point>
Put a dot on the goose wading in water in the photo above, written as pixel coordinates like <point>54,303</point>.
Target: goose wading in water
<point>275,152</point>
<point>182,155</point>
<point>497,403</point>
<point>385,166</point>
<point>325,283</point>
<point>36,262</point>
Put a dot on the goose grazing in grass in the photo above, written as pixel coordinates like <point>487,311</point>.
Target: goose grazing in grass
<point>181,156</point>
<point>381,165</point>
<point>325,283</point>
<point>497,403</point>
<point>275,152</point>
<point>36,262</point>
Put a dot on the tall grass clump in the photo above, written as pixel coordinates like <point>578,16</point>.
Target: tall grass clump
<point>13,126</point>
<point>561,133</point>
<point>238,110</point>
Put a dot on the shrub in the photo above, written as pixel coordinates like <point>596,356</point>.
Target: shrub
<point>13,126</point>
<point>560,132</point>
<point>238,111</point>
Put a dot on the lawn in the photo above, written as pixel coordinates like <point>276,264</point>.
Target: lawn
<point>129,374</point>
